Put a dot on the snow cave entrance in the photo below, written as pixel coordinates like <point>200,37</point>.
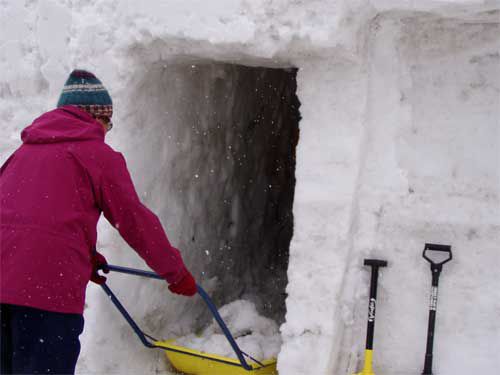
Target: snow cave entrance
<point>227,135</point>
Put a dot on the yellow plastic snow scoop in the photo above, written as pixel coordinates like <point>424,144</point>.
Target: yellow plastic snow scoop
<point>191,361</point>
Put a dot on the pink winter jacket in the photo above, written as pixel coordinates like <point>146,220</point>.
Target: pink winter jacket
<point>52,191</point>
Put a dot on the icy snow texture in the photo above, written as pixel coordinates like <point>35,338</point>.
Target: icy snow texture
<point>256,335</point>
<point>399,146</point>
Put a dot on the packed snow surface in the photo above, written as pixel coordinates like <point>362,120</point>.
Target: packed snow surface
<point>255,335</point>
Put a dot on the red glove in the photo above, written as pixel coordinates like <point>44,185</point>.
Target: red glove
<point>186,286</point>
<point>98,263</point>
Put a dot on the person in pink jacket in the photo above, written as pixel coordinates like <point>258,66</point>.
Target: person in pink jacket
<point>53,189</point>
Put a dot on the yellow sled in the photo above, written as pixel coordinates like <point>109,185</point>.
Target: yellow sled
<point>191,361</point>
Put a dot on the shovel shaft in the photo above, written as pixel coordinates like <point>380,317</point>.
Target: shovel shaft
<point>223,327</point>
<point>372,308</point>
<point>430,344</point>
<point>432,324</point>
<point>127,316</point>
<point>372,305</point>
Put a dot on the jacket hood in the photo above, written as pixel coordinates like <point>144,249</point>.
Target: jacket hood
<point>64,124</point>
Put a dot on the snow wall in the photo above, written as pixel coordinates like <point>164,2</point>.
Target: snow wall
<point>399,145</point>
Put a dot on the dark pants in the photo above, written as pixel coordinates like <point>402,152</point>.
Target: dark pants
<point>36,341</point>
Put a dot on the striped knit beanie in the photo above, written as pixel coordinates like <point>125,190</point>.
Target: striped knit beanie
<point>84,90</point>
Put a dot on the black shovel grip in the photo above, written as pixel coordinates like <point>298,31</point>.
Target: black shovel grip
<point>437,247</point>
<point>375,262</point>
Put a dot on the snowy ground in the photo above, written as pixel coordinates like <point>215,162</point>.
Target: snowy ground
<point>257,334</point>
<point>399,145</point>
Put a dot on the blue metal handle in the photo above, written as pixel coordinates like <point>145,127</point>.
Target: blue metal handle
<point>127,317</point>
<point>223,326</point>
<point>132,271</point>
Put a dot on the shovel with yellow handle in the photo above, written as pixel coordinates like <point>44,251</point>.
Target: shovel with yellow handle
<point>375,264</point>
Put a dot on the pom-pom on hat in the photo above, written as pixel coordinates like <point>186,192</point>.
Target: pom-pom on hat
<point>86,91</point>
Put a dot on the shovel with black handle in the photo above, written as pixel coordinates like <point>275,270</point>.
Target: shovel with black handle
<point>375,264</point>
<point>436,255</point>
